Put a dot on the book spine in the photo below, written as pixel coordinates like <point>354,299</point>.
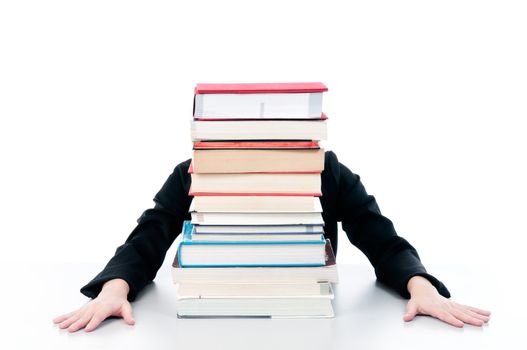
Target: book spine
<point>252,265</point>
<point>191,242</point>
<point>191,193</point>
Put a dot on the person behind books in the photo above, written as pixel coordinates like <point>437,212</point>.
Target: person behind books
<point>344,200</point>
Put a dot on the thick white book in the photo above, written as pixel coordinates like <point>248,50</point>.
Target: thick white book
<point>255,307</point>
<point>202,130</point>
<point>304,299</point>
<point>197,290</point>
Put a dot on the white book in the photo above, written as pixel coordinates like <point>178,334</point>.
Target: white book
<point>267,229</point>
<point>258,130</point>
<point>196,290</point>
<point>256,204</point>
<point>201,218</point>
<point>327,273</point>
<point>222,237</point>
<point>307,105</point>
<point>226,254</point>
<point>255,307</point>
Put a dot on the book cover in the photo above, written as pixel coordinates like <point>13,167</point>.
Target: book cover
<point>264,145</point>
<point>252,88</point>
<point>322,116</point>
<point>250,253</point>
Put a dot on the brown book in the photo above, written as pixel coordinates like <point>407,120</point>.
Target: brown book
<point>255,161</point>
<point>268,184</point>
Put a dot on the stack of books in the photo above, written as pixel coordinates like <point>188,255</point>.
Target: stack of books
<point>255,246</point>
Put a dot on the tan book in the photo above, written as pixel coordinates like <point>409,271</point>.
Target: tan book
<point>255,161</point>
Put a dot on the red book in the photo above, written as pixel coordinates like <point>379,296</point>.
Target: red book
<point>322,116</point>
<point>269,194</point>
<point>259,88</point>
<point>258,101</point>
<point>256,145</point>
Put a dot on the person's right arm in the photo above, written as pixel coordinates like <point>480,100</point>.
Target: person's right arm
<point>137,261</point>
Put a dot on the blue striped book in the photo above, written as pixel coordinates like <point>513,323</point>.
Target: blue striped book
<point>249,253</point>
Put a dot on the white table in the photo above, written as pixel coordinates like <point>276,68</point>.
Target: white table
<point>368,316</point>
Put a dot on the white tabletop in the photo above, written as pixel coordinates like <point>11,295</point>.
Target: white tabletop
<point>368,316</point>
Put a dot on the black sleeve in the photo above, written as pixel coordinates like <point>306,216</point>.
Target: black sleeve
<point>139,258</point>
<point>394,259</point>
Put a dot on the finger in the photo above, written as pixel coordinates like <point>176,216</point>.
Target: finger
<point>81,322</point>
<point>97,318</point>
<point>61,318</point>
<point>66,323</point>
<point>447,317</point>
<point>127,314</point>
<point>459,314</point>
<point>474,314</point>
<point>411,312</point>
<point>95,321</point>
<point>476,310</point>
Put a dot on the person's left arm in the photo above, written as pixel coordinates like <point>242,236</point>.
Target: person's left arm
<point>425,300</point>
<point>394,259</point>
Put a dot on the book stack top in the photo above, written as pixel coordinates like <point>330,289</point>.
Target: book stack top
<point>283,111</point>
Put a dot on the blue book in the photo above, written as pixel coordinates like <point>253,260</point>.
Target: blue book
<point>249,252</point>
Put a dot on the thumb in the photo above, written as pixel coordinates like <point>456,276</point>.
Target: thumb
<point>126,312</point>
<point>411,311</point>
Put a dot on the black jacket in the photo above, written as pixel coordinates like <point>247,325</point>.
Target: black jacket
<point>344,199</point>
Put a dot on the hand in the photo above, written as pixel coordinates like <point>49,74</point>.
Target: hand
<point>111,301</point>
<point>425,300</point>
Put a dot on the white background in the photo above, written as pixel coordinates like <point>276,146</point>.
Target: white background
<point>426,101</point>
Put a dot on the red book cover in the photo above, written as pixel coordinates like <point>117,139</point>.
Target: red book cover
<point>259,88</point>
<point>323,116</point>
<point>191,171</point>
<point>256,145</point>
<point>191,193</point>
